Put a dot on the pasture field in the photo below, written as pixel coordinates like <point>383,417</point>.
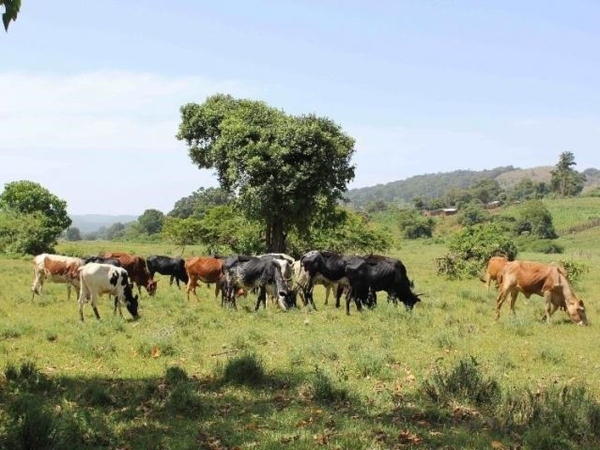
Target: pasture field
<point>191,374</point>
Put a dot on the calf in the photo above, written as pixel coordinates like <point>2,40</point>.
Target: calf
<point>136,269</point>
<point>165,265</point>
<point>55,268</point>
<point>546,280</point>
<point>98,279</point>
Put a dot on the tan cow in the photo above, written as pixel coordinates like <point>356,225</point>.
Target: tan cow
<point>55,268</point>
<point>546,280</point>
<point>205,269</point>
<point>494,269</point>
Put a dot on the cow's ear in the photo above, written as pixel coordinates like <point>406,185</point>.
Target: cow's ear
<point>135,298</point>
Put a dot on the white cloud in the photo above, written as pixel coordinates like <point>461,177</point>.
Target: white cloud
<point>107,136</point>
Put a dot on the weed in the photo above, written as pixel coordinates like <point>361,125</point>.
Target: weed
<point>176,375</point>
<point>323,389</point>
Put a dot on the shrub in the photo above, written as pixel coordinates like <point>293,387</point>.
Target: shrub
<point>322,388</point>
<point>463,383</point>
<point>247,369</point>
<point>574,269</point>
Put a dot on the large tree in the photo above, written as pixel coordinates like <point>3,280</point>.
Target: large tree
<point>196,204</point>
<point>151,221</point>
<point>33,204</point>
<point>566,181</point>
<point>283,169</point>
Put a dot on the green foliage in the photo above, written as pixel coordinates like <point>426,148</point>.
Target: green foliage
<point>546,246</point>
<point>343,231</point>
<point>463,383</point>
<point>485,190</point>
<point>413,224</point>
<point>534,218</point>
<point>473,214</point>
<point>527,189</point>
<point>73,234</point>
<point>575,269</point>
<point>284,169</point>
<point>199,202</point>
<point>323,389</point>
<point>33,217</point>
<point>11,10</point>
<point>566,181</point>
<point>151,221</point>
<point>181,232</point>
<point>471,248</point>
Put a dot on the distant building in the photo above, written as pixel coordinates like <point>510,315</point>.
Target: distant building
<point>494,204</point>
<point>440,212</point>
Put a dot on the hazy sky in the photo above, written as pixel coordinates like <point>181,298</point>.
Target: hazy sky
<point>90,91</point>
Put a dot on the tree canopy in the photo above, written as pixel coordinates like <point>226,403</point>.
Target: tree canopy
<point>11,10</point>
<point>43,212</point>
<point>284,170</point>
<point>566,181</point>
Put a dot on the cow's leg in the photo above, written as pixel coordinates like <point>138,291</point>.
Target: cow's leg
<point>68,291</point>
<point>94,297</point>
<point>262,297</point>
<point>191,287</point>
<point>550,306</point>
<point>338,295</point>
<point>327,293</point>
<point>499,300</point>
<point>38,284</point>
<point>171,280</point>
<point>81,300</point>
<point>513,299</point>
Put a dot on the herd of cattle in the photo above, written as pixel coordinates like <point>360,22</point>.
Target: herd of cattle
<point>283,279</point>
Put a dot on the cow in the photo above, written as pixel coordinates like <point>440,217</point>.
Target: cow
<point>252,272</point>
<point>329,266</point>
<point>97,279</point>
<point>136,269</point>
<point>546,280</point>
<point>99,259</point>
<point>286,264</point>
<point>206,269</point>
<point>389,274</point>
<point>301,282</point>
<point>165,265</point>
<point>494,269</point>
<point>55,268</point>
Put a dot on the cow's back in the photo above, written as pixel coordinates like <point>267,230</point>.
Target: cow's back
<point>204,268</point>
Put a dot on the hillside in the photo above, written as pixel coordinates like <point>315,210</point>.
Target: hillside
<point>434,185</point>
<point>93,222</point>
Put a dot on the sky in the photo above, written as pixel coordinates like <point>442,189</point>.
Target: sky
<point>90,91</point>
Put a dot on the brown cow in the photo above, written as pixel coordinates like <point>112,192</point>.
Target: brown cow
<point>56,268</point>
<point>136,269</point>
<point>205,269</point>
<point>546,280</point>
<point>494,269</point>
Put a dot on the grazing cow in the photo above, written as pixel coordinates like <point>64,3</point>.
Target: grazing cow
<point>136,269</point>
<point>389,274</point>
<point>546,280</point>
<point>165,265</point>
<point>286,263</point>
<point>98,279</point>
<point>494,269</point>
<point>206,269</point>
<point>330,266</point>
<point>251,272</point>
<point>55,268</point>
<point>301,282</point>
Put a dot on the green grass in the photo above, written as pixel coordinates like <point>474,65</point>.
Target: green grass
<point>190,374</point>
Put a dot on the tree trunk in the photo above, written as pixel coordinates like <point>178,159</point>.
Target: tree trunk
<point>276,238</point>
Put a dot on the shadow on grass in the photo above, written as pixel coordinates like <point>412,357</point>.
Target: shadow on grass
<point>280,409</point>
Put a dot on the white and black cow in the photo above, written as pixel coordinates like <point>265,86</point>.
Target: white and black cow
<point>165,265</point>
<point>327,265</point>
<point>251,272</point>
<point>301,282</point>
<point>98,279</point>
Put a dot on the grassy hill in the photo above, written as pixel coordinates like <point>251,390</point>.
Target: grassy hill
<point>430,186</point>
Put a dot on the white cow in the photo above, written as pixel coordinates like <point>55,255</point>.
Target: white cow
<point>55,268</point>
<point>98,279</point>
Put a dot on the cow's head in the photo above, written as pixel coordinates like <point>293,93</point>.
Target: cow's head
<point>576,311</point>
<point>132,306</point>
<point>151,287</point>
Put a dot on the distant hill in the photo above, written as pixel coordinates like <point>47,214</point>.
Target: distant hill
<point>434,185</point>
<point>88,223</point>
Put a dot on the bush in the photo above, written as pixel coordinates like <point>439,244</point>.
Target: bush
<point>545,246</point>
<point>463,383</point>
<point>247,369</point>
<point>323,389</point>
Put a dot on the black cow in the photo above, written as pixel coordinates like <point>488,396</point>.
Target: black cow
<point>331,266</point>
<point>250,272</point>
<point>101,260</point>
<point>386,274</point>
<point>165,265</point>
